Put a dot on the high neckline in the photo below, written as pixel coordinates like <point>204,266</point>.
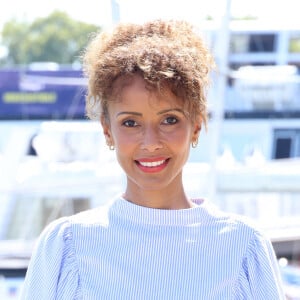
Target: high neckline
<point>122,208</point>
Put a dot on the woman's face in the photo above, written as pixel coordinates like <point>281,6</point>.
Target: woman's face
<point>152,135</point>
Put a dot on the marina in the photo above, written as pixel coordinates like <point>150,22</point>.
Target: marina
<point>54,162</point>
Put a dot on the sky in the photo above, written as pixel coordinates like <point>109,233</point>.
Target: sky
<point>99,11</point>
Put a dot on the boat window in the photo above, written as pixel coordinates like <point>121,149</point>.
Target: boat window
<point>283,147</point>
<point>286,143</point>
<point>244,43</point>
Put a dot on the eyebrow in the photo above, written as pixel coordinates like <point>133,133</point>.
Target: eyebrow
<point>171,109</point>
<point>159,113</point>
<point>129,113</point>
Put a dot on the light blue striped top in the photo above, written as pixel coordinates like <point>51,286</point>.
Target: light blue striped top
<point>125,251</point>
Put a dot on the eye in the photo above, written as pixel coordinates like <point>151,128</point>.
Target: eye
<point>130,123</point>
<point>170,121</point>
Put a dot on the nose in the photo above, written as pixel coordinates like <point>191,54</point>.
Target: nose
<point>151,139</point>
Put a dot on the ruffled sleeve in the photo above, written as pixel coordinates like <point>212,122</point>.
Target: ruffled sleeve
<point>260,277</point>
<point>53,271</point>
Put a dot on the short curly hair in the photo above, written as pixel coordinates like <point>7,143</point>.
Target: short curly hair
<point>165,53</point>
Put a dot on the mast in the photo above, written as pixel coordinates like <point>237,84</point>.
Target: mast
<point>115,12</point>
<point>221,53</point>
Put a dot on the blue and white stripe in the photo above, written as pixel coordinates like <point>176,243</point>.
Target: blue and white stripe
<point>125,251</point>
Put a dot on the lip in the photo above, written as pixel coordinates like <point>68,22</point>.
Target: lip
<point>152,165</point>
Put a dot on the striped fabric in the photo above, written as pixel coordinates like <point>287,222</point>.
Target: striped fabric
<point>125,251</point>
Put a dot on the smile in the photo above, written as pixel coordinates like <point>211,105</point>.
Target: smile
<point>152,163</point>
<point>150,166</point>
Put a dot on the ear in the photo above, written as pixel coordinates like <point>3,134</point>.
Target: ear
<point>106,130</point>
<point>197,127</point>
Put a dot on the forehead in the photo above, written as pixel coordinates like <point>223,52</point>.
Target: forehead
<point>134,89</point>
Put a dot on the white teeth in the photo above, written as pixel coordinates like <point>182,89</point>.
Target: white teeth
<point>152,164</point>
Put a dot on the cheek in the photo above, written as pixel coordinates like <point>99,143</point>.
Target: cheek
<point>179,137</point>
<point>125,150</point>
<point>123,141</point>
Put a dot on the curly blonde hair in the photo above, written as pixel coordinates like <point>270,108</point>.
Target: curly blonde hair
<point>164,53</point>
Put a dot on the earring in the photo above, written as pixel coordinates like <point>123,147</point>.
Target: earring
<point>110,146</point>
<point>195,143</point>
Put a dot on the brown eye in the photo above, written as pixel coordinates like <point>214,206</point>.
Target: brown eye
<point>130,123</point>
<point>170,120</point>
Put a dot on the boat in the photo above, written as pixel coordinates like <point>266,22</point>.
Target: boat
<point>54,162</point>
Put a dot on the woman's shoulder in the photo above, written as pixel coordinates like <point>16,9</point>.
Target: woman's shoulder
<point>231,222</point>
<point>97,216</point>
<point>62,228</point>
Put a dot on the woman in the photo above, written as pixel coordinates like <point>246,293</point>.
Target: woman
<point>147,85</point>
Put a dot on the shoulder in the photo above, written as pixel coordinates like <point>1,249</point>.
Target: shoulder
<point>254,243</point>
<point>58,229</point>
<point>233,224</point>
<point>245,227</point>
<point>93,217</point>
<point>58,240</point>
<point>61,234</point>
<point>243,223</point>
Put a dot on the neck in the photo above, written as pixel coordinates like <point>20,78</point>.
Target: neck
<point>175,199</point>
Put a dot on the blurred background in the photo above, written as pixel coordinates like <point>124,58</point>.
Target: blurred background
<point>54,162</point>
